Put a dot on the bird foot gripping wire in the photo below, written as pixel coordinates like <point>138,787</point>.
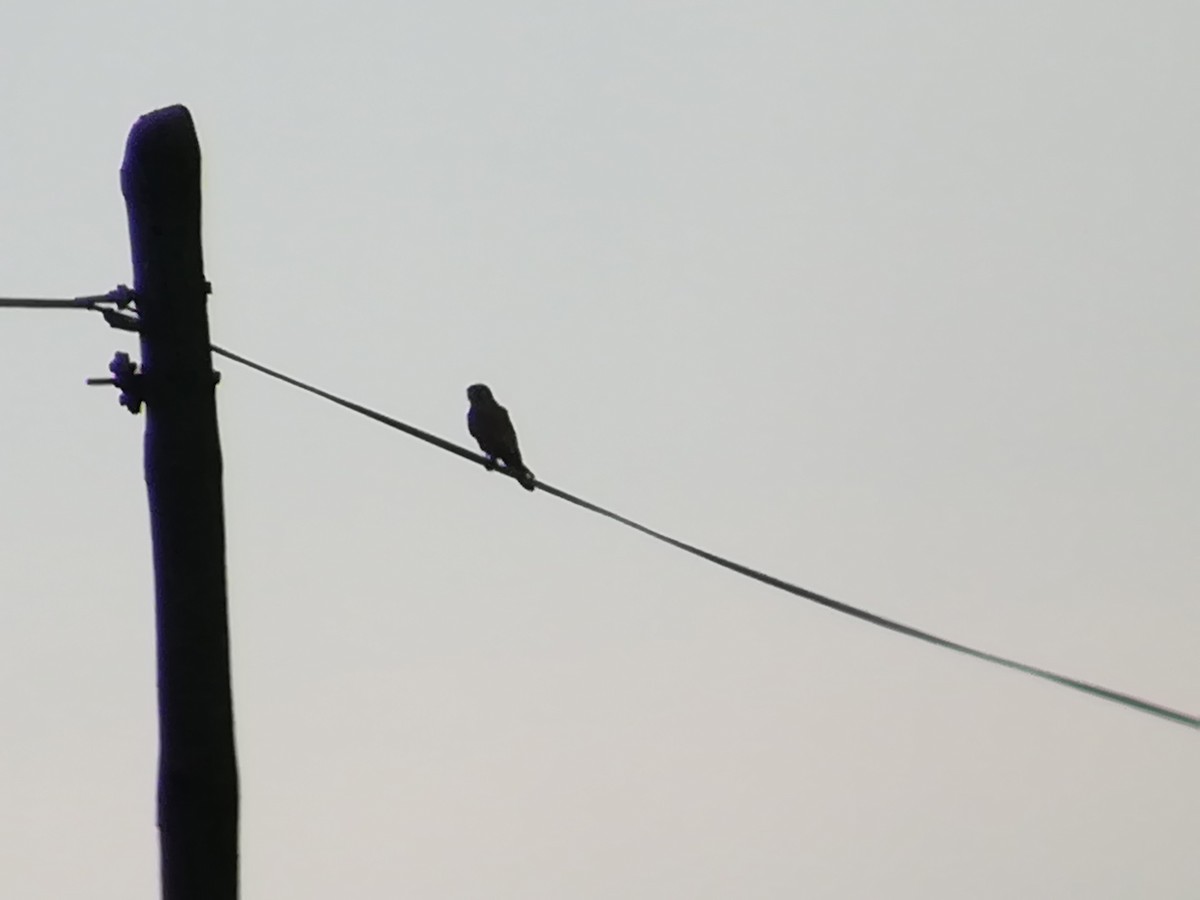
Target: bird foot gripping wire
<point>126,377</point>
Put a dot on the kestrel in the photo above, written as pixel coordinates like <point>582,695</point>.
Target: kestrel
<point>490,425</point>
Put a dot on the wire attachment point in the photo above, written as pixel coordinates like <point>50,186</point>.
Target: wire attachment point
<point>121,297</point>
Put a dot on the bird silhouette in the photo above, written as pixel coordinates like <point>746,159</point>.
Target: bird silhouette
<point>490,425</point>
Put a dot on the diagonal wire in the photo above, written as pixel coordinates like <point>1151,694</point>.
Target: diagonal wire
<point>1093,689</point>
<point>898,627</point>
<point>362,410</point>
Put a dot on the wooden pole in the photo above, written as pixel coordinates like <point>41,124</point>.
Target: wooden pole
<point>197,776</point>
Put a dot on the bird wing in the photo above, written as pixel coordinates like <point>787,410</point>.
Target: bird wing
<point>475,423</point>
<point>491,426</point>
<point>506,436</point>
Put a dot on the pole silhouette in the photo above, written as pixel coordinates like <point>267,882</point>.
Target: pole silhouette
<point>197,775</point>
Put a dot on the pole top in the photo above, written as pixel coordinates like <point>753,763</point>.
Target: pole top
<point>162,158</point>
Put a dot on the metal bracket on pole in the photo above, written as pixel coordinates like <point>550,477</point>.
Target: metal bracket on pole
<point>128,379</point>
<point>122,321</point>
<point>136,386</point>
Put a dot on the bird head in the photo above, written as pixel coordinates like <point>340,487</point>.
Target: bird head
<point>479,393</point>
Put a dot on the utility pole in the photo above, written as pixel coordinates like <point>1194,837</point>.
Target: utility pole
<point>197,775</point>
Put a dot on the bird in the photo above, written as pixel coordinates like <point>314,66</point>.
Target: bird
<point>490,425</point>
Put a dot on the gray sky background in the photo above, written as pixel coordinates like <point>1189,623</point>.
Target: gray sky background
<point>894,300</point>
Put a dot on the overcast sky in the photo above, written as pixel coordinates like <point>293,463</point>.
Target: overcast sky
<point>897,301</point>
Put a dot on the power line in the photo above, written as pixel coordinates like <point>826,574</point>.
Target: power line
<point>828,602</point>
<point>362,410</point>
<point>120,296</point>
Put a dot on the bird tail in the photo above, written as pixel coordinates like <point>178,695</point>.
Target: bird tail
<point>525,477</point>
<point>520,470</point>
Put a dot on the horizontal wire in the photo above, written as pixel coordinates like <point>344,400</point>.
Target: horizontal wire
<point>120,296</point>
<point>36,303</point>
<point>1094,690</point>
